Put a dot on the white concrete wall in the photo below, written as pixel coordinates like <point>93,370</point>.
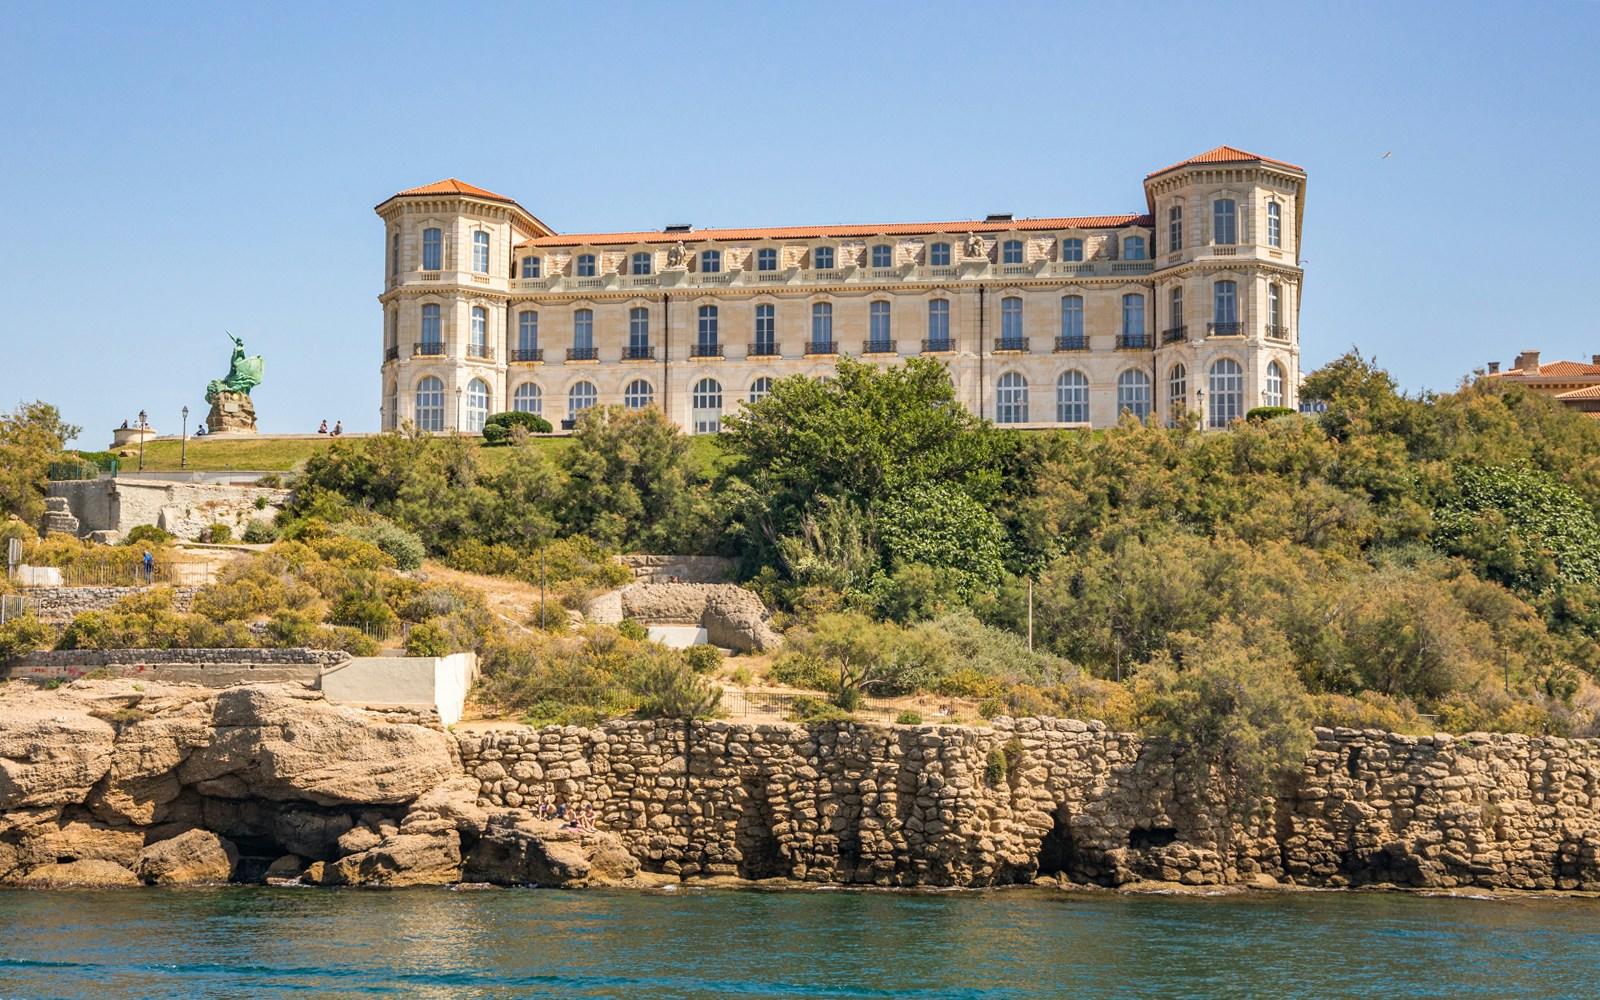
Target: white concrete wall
<point>417,683</point>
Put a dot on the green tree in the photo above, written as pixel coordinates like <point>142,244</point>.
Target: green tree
<point>31,435</point>
<point>1521,527</point>
<point>630,482</point>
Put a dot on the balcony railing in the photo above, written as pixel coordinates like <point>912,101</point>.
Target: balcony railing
<point>1077,343</point>
<point>638,352</point>
<point>1278,333</point>
<point>583,354</point>
<point>527,354</point>
<point>1133,342</point>
<point>1011,344</point>
<point>763,349</point>
<point>878,347</point>
<point>821,347</point>
<point>705,350</point>
<point>391,354</point>
<point>427,349</point>
<point>480,352</point>
<point>943,345</point>
<point>1175,335</point>
<point>1224,329</point>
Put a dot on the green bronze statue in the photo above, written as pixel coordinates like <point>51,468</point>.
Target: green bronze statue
<point>244,373</point>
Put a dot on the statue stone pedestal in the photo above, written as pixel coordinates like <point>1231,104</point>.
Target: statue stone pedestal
<point>231,413</point>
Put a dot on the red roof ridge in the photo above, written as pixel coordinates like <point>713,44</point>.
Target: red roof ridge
<point>451,185</point>
<point>1553,369</point>
<point>841,230</point>
<point>1587,392</point>
<point>1226,154</point>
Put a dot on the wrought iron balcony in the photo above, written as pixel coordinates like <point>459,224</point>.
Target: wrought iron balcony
<point>1076,343</point>
<point>1175,335</point>
<point>1278,333</point>
<point>878,347</point>
<point>583,354</point>
<point>481,352</point>
<point>763,349</point>
<point>1133,342</point>
<point>527,354</point>
<point>638,352</point>
<point>391,353</point>
<point>943,345</point>
<point>1224,329</point>
<point>1011,344</point>
<point>821,347</point>
<point>427,349</point>
<point>705,350</point>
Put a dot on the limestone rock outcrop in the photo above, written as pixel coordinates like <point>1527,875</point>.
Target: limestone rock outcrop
<point>732,616</point>
<point>194,857</point>
<point>517,848</point>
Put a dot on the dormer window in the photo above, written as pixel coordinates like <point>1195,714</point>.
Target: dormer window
<point>1133,248</point>
<point>822,258</point>
<point>1224,222</point>
<point>480,252</point>
<point>1072,250</point>
<point>883,255</point>
<point>766,259</point>
<point>939,255</point>
<point>585,265</point>
<point>711,262</point>
<point>1011,252</point>
<point>531,267</point>
<point>641,263</point>
<point>1274,224</point>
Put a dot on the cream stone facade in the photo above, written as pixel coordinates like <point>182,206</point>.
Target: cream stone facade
<point>1043,322</point>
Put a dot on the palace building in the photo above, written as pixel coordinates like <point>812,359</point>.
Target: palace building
<point>1192,304</point>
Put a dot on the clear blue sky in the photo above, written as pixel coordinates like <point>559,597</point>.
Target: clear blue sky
<point>167,173</point>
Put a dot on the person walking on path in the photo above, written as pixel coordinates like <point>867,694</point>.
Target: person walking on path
<point>149,564</point>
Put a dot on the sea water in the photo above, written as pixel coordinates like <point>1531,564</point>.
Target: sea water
<point>240,942</point>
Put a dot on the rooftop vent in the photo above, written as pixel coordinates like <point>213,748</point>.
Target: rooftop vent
<point>682,227</point>
<point>999,217</point>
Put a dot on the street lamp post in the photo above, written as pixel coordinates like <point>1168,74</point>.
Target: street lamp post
<point>142,417</point>
<point>183,442</point>
<point>1200,404</point>
<point>458,409</point>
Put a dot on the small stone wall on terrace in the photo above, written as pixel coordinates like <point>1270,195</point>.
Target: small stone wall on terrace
<point>60,604</point>
<point>215,668</point>
<point>686,569</point>
<point>955,806</point>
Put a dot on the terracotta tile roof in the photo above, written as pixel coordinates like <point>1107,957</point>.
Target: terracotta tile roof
<point>814,232</point>
<point>1555,369</point>
<point>1588,392</point>
<point>1226,154</point>
<point>452,186</point>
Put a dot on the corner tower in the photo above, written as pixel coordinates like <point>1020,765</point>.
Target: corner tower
<point>1227,283</point>
<point>447,279</point>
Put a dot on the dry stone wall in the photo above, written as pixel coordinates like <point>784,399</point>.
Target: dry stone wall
<point>1028,798</point>
<point>214,668</point>
<point>60,604</point>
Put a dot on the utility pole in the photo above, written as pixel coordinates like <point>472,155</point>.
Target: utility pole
<point>542,624</point>
<point>1030,614</point>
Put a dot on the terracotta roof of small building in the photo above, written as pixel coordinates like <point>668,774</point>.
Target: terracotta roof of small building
<point>839,231</point>
<point>1555,369</point>
<point>452,186</point>
<point>1226,154</point>
<point>1587,392</point>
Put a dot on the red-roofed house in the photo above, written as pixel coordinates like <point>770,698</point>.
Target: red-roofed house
<point>1046,321</point>
<point>1575,383</point>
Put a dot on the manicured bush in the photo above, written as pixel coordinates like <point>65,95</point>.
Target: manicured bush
<point>497,429</point>
<point>1261,413</point>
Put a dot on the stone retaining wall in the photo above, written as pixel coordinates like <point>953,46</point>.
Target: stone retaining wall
<point>687,569</point>
<point>217,668</point>
<point>955,806</point>
<point>59,604</point>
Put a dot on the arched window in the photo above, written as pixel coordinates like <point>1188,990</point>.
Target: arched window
<point>430,404</point>
<point>585,265</point>
<point>638,395</point>
<point>477,347</point>
<point>706,343</point>
<point>638,332</point>
<point>1011,399</point>
<point>821,328</point>
<point>938,325</point>
<point>480,252</point>
<point>706,399</point>
<point>711,262</point>
<point>477,404</point>
<point>1072,398</point>
<point>1133,248</point>
<point>1072,249</point>
<point>1072,338</point>
<point>1224,222</point>
<point>527,336</point>
<point>1272,394</point>
<point>1175,229</point>
<point>531,267</point>
<point>939,255</point>
<point>432,249</point>
<point>1175,314</point>
<point>766,342</point>
<point>580,397</point>
<point>1011,325</point>
<point>432,342</point>
<point>1225,308</point>
<point>822,258</point>
<point>760,389</point>
<point>1133,393</point>
<point>1274,224</point>
<point>1133,320</point>
<point>878,334</point>
<point>766,259</point>
<point>641,263</point>
<point>1225,393</point>
<point>1177,393</point>
<point>583,335</point>
<point>882,255</point>
<point>1011,252</point>
<point>528,399</point>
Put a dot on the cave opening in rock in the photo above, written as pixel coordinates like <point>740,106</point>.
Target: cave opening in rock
<point>1058,853</point>
<point>1143,838</point>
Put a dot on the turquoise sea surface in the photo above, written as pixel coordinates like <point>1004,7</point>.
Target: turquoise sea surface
<point>240,942</point>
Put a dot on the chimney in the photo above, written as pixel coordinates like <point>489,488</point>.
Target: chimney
<point>1528,361</point>
<point>1494,368</point>
<point>1594,359</point>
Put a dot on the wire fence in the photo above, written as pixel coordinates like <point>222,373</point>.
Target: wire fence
<point>118,573</point>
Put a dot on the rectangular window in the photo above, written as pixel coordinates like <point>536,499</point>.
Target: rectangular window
<point>1175,229</point>
<point>430,324</point>
<point>821,327</point>
<point>1132,319</point>
<point>638,330</point>
<point>480,252</point>
<point>528,334</point>
<point>708,326</point>
<point>1225,305</point>
<point>586,265</point>
<point>939,255</point>
<point>1224,227</point>
<point>432,249</point>
<point>1072,318</point>
<point>1133,248</point>
<point>530,267</point>
<point>1011,252</point>
<point>1072,250</point>
<point>822,258</point>
<point>394,254</point>
<point>879,321</point>
<point>1011,319</point>
<point>883,255</point>
<point>711,262</point>
<point>766,331</point>
<point>641,263</point>
<point>1274,311</point>
<point>1274,224</point>
<point>583,329</point>
<point>938,323</point>
<point>766,259</point>
<point>480,331</point>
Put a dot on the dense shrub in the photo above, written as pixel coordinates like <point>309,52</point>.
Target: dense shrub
<point>403,546</point>
<point>497,429</point>
<point>217,534</point>
<point>703,659</point>
<point>427,639</point>
<point>146,534</point>
<point>260,531</point>
<point>1260,413</point>
<point>23,634</point>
